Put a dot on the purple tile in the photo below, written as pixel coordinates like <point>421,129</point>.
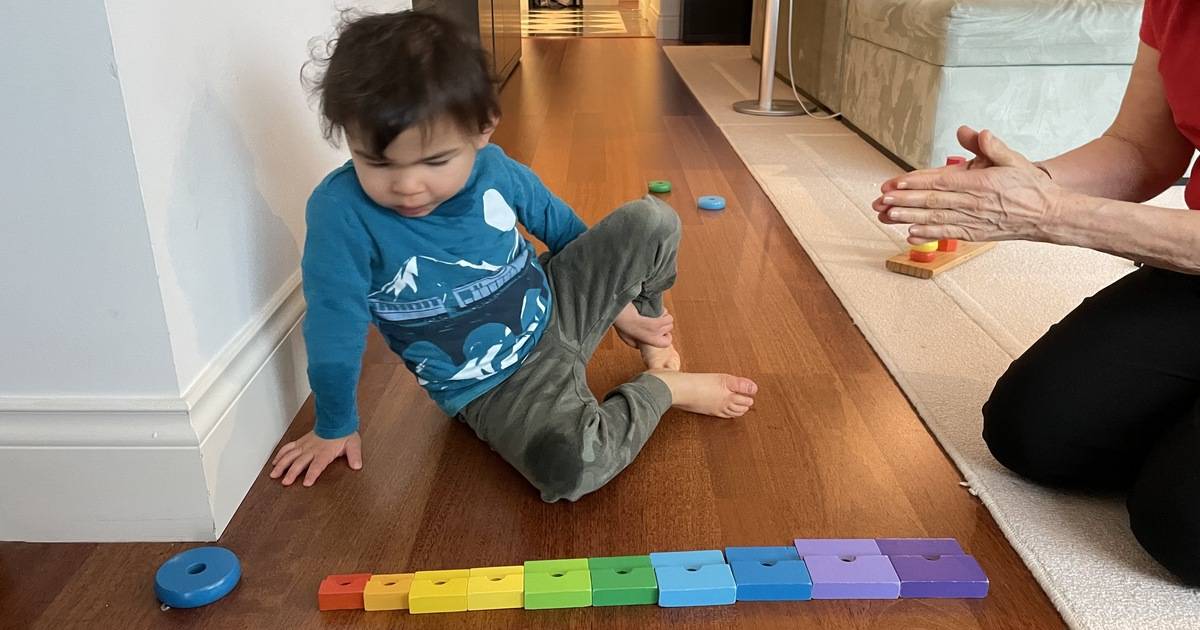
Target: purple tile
<point>852,577</point>
<point>837,547</point>
<point>939,576</point>
<point>919,547</point>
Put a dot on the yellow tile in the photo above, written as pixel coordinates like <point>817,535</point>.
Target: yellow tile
<point>387,592</point>
<point>439,591</point>
<point>496,587</point>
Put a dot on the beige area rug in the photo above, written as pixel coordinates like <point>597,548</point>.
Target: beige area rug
<point>947,340</point>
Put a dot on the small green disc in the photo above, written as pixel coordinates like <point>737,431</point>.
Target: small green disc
<point>660,186</point>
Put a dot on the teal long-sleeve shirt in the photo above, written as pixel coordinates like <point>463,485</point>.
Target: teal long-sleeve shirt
<point>459,294</point>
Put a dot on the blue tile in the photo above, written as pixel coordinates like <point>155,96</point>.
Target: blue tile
<point>693,578</point>
<point>760,554</point>
<point>769,574</point>
<point>686,558</point>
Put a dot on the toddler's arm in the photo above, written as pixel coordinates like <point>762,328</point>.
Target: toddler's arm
<point>541,212</point>
<point>337,276</point>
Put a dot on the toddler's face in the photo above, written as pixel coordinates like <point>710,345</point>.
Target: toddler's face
<point>420,169</point>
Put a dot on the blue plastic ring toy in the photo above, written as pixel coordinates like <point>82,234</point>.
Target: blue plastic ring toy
<point>712,202</point>
<point>197,577</point>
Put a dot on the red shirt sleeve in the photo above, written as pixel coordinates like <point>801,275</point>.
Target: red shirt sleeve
<point>1147,31</point>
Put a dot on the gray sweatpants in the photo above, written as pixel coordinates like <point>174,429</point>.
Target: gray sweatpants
<point>543,419</point>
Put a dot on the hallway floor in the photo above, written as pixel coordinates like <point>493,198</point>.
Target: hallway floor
<point>623,20</point>
<point>832,448</point>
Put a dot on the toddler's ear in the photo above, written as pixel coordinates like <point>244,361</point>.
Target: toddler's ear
<point>485,136</point>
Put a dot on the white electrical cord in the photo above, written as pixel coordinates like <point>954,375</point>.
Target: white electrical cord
<point>792,74</point>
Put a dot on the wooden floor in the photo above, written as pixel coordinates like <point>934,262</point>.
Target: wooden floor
<point>832,448</point>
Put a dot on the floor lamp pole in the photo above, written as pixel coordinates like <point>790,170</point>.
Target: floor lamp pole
<point>765,105</point>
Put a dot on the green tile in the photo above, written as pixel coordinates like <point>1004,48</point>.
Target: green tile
<point>557,584</point>
<point>554,566</point>
<point>623,581</point>
<point>619,562</point>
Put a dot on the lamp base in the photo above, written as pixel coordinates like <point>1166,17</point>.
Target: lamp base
<point>777,108</point>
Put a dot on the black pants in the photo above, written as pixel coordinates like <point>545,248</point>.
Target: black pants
<point>1109,398</point>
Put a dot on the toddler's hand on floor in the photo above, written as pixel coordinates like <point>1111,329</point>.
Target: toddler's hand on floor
<point>314,454</point>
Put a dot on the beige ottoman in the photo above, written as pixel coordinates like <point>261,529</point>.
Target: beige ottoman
<point>1047,75</point>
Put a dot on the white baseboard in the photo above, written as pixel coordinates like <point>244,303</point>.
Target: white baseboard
<point>154,469</point>
<point>668,27</point>
<point>241,440</point>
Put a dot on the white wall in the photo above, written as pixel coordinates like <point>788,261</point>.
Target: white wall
<point>227,151</point>
<point>75,260</point>
<point>663,17</point>
<point>150,241</point>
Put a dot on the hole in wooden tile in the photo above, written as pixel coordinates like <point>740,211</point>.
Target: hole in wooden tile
<point>848,558</point>
<point>933,557</point>
<point>389,583</point>
<point>439,582</point>
<point>623,571</point>
<point>768,563</point>
<point>346,583</point>
<point>557,574</point>
<point>693,568</point>
<point>495,578</point>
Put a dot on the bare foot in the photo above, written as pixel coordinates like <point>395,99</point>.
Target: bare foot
<point>636,329</point>
<point>719,395</point>
<point>661,358</point>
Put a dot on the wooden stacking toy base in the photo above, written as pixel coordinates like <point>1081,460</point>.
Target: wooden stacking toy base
<point>942,261</point>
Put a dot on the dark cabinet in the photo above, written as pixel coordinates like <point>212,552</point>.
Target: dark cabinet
<point>497,22</point>
<point>715,21</point>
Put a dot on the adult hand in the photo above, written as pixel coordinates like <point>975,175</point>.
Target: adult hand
<point>314,454</point>
<point>999,195</point>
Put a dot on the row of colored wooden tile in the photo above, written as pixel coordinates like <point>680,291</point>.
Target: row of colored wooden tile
<point>885,568</point>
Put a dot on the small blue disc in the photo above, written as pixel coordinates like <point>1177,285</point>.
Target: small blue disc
<point>712,202</point>
<point>197,577</point>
